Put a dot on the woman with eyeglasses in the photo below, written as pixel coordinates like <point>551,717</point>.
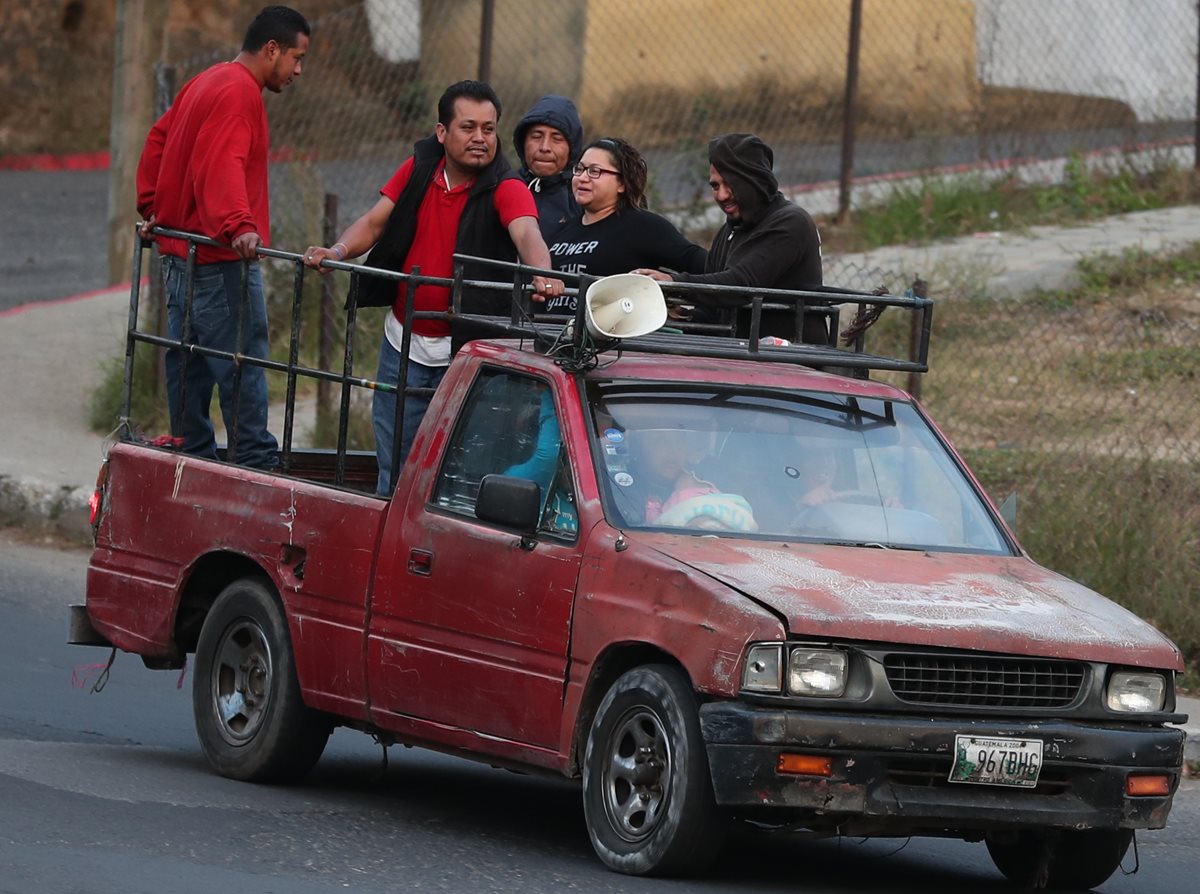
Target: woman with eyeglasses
<point>616,233</point>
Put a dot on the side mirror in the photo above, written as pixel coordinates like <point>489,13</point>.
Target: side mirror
<point>510,502</point>
<point>1008,511</point>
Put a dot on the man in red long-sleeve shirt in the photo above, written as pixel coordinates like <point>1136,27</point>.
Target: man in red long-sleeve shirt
<point>204,170</point>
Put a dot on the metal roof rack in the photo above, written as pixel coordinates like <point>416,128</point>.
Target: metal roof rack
<point>715,340</point>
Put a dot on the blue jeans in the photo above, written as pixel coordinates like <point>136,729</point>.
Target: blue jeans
<point>215,314</point>
<point>383,410</point>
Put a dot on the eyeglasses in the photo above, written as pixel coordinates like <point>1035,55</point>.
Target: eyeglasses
<point>593,171</point>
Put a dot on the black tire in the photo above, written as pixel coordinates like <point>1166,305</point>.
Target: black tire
<point>252,723</point>
<point>1075,860</point>
<point>647,793</point>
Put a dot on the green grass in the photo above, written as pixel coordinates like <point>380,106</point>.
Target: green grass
<point>147,407</point>
<point>1085,402</point>
<point>939,209</point>
<point>1128,529</point>
<point>1136,268</point>
<point>1141,366</point>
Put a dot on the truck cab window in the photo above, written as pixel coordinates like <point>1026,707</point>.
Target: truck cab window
<point>509,426</point>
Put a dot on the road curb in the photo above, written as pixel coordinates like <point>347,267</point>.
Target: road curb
<point>38,507</point>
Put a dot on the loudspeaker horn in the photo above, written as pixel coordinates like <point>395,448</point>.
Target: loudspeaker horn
<point>624,305</point>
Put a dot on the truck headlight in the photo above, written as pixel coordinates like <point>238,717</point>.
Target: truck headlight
<point>1136,692</point>
<point>817,672</point>
<point>763,671</point>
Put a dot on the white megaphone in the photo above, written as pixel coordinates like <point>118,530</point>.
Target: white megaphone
<point>624,305</point>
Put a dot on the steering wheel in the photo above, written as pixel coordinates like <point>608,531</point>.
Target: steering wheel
<point>817,519</point>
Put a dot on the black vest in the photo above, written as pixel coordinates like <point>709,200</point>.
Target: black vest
<point>480,233</point>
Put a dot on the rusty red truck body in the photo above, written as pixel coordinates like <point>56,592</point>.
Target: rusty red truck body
<point>625,572</point>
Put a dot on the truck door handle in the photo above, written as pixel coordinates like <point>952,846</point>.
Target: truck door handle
<point>420,561</point>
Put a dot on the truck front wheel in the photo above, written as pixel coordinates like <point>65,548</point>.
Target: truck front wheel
<point>1072,860</point>
<point>251,720</point>
<point>647,794</point>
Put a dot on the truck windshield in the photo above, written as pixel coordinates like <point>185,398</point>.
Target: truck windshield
<point>798,466</point>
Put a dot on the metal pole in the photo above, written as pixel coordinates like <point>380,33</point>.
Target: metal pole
<point>402,390</point>
<point>1196,142</point>
<point>139,40</point>
<point>164,93</point>
<point>289,405</point>
<point>487,20</point>
<point>325,317</point>
<point>127,386</point>
<point>920,289</point>
<point>849,113</point>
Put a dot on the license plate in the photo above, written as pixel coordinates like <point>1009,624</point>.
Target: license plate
<point>987,761</point>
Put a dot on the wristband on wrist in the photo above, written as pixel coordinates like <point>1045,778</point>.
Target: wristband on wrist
<point>339,249</point>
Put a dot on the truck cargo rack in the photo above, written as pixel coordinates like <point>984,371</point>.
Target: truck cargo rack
<point>680,338</point>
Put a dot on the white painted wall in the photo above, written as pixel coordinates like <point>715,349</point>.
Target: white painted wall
<point>1134,52</point>
<point>395,27</point>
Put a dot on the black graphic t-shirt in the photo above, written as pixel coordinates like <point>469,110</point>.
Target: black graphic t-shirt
<point>619,243</point>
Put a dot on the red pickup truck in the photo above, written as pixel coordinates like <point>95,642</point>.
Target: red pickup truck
<point>716,589</point>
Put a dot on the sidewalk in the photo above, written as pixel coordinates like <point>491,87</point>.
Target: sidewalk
<point>52,355</point>
<point>1043,258</point>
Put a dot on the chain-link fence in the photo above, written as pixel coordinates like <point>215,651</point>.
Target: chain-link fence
<point>946,85</point>
<point>1088,407</point>
<point>1086,403</point>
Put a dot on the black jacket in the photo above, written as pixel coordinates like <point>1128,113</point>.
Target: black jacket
<point>775,243</point>
<point>555,201</point>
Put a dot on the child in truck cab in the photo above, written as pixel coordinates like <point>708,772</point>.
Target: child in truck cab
<point>661,488</point>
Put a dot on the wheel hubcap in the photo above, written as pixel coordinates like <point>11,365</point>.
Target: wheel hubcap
<point>637,774</point>
<point>241,681</point>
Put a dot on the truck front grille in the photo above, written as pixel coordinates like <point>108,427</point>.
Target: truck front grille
<point>932,772</point>
<point>991,682</point>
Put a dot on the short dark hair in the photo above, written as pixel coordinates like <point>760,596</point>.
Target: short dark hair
<point>476,90</point>
<point>631,167</point>
<point>281,24</point>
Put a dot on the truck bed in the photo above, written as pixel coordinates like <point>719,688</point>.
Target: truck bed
<point>173,524</point>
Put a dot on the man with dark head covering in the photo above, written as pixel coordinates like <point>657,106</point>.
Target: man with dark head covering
<point>549,140</point>
<point>766,239</point>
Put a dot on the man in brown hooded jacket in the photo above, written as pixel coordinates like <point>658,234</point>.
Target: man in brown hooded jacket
<point>766,240</point>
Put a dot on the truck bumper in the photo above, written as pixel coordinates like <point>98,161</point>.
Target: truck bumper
<point>81,632</point>
<point>889,772</point>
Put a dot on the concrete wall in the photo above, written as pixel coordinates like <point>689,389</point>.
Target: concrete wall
<point>914,53</point>
<point>1132,52</point>
<point>55,75</point>
<point>535,47</point>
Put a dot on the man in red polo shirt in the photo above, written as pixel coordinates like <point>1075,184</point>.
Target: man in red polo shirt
<point>456,193</point>
<point>204,170</point>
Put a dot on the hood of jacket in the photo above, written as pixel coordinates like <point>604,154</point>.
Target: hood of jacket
<point>557,112</point>
<point>747,164</point>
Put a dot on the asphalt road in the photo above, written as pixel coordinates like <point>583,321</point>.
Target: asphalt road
<point>53,239</point>
<point>108,792</point>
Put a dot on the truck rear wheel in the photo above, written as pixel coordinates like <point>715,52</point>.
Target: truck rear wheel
<point>251,720</point>
<point>647,793</point>
<point>1072,860</point>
